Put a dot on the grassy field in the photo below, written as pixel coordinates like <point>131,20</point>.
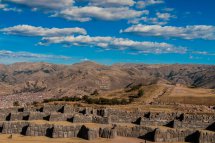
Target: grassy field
<point>196,96</point>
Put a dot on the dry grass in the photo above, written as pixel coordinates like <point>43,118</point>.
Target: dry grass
<point>5,89</point>
<point>164,93</point>
<point>26,139</point>
<point>185,95</point>
<point>209,101</point>
<point>181,91</point>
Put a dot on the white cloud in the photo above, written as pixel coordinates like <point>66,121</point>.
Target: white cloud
<point>11,54</point>
<point>148,20</point>
<point>28,30</point>
<point>111,3</point>
<point>160,19</point>
<point>203,53</point>
<point>92,9</point>
<point>168,9</point>
<point>86,13</point>
<point>114,43</point>
<point>205,32</point>
<point>144,3</point>
<point>5,7</point>
<point>44,4</point>
<point>165,16</point>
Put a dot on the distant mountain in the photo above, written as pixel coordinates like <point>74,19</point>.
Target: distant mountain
<point>84,78</point>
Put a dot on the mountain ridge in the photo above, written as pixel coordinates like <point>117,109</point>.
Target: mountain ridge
<point>84,78</point>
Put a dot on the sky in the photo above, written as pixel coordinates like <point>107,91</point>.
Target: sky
<point>107,31</point>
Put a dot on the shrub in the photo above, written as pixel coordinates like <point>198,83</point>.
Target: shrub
<point>95,93</point>
<point>16,103</point>
<point>133,88</point>
<point>140,93</point>
<point>66,98</point>
<point>105,101</point>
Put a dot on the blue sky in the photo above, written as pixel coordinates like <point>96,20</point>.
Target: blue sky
<point>107,31</point>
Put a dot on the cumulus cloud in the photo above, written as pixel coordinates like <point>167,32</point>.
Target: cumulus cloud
<point>111,3</point>
<point>144,3</point>
<point>86,13</point>
<point>159,19</point>
<point>205,32</point>
<point>28,30</point>
<point>91,9</point>
<point>43,4</point>
<point>148,20</point>
<point>114,43</point>
<point>165,16</point>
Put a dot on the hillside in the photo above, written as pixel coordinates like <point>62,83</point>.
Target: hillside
<point>84,78</point>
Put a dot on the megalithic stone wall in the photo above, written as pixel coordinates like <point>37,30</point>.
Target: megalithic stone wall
<point>69,131</point>
<point>39,130</point>
<point>15,127</point>
<point>65,121</point>
<point>176,135</point>
<point>207,137</point>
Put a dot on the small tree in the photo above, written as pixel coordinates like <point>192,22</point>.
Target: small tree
<point>140,93</point>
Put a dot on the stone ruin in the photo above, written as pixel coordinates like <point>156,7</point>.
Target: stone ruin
<point>65,121</point>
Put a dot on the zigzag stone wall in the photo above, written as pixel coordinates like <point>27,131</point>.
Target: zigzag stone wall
<point>90,123</point>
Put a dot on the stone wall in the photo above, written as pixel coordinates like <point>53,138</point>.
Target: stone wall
<point>39,130</point>
<point>135,131</point>
<point>107,123</point>
<point>191,124</point>
<point>175,135</point>
<point>108,132</point>
<point>80,118</point>
<point>14,127</point>
<point>60,131</point>
<point>207,137</point>
<point>53,108</point>
<point>39,116</point>
<point>60,117</point>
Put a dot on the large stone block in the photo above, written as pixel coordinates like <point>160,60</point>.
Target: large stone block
<point>195,124</point>
<point>19,116</point>
<point>135,131</point>
<point>15,127</point>
<point>101,120</point>
<point>109,133</point>
<point>40,130</point>
<point>207,137</point>
<point>88,133</point>
<point>3,116</point>
<point>39,116</point>
<point>175,135</point>
<point>53,108</point>
<point>79,118</point>
<point>60,117</point>
<point>61,131</point>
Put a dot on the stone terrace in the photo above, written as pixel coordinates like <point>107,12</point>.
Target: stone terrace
<point>65,121</point>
